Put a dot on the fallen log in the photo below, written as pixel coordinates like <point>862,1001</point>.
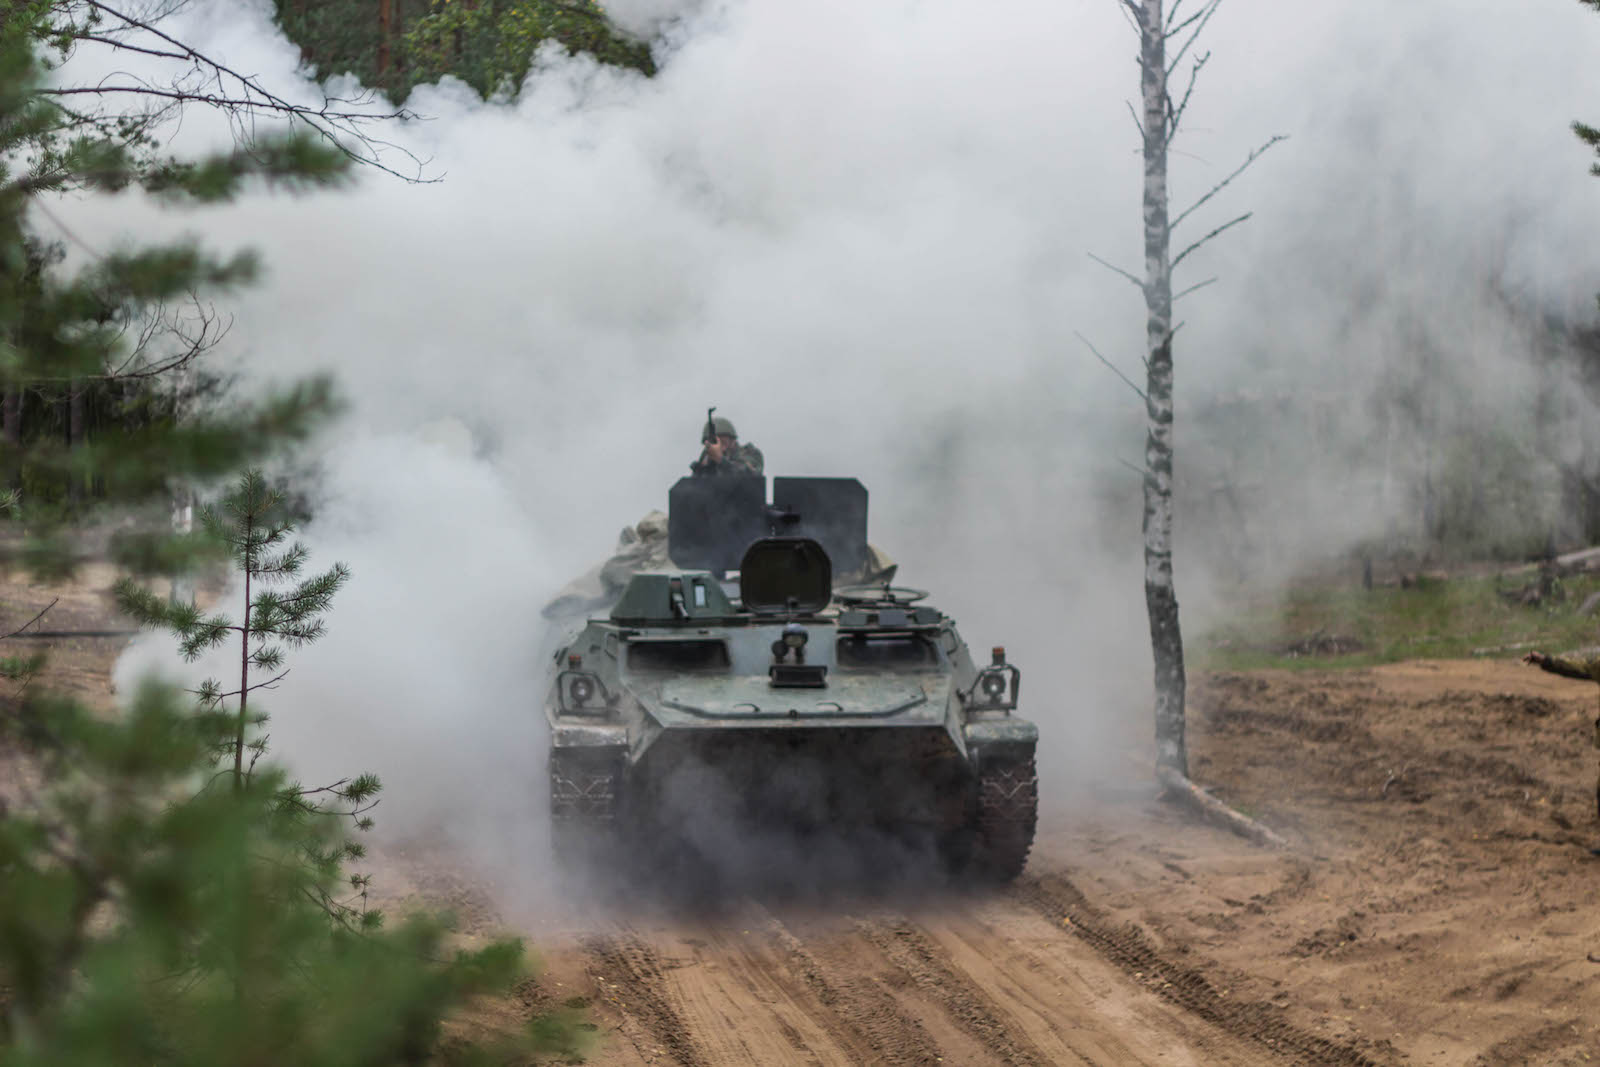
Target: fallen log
<point>1209,807</point>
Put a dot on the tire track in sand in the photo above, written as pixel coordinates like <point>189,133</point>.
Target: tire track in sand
<point>627,967</point>
<point>857,1007</point>
<point>742,989</point>
<point>969,1007</point>
<point>1060,901</point>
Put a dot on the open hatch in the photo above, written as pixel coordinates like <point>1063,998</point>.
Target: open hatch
<point>785,574</point>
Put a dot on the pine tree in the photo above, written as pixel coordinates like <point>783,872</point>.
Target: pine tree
<point>149,912</point>
<point>57,329</point>
<point>491,45</point>
<point>251,526</point>
<point>143,920</point>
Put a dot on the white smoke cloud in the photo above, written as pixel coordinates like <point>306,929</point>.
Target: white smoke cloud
<point>862,232</point>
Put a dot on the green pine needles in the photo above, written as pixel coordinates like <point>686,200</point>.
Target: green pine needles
<point>168,895</point>
<point>148,916</point>
<point>251,526</point>
<point>280,608</point>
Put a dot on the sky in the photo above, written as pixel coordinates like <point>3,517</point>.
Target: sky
<point>863,232</point>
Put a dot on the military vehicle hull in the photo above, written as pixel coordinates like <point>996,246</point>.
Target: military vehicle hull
<point>783,702</point>
<point>978,807</point>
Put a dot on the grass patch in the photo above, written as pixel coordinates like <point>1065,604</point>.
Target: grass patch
<point>1326,626</point>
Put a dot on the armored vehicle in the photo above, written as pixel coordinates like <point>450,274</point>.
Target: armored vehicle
<point>778,695</point>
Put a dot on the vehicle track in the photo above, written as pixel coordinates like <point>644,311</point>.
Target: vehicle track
<point>986,978</point>
<point>866,1017</point>
<point>968,1005</point>
<point>628,974</point>
<point>1056,898</point>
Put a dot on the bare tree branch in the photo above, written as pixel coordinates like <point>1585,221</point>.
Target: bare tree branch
<point>124,46</point>
<point>270,683</point>
<point>1142,472</point>
<point>1225,226</point>
<point>1130,13</point>
<point>195,340</point>
<point>32,621</point>
<point>1174,30</point>
<point>1223,184</point>
<point>1201,17</point>
<point>1112,366</point>
<point>1138,124</point>
<point>196,334</point>
<point>343,123</point>
<point>1175,114</point>
<point>66,231</point>
<point>1117,270</point>
<point>1198,285</point>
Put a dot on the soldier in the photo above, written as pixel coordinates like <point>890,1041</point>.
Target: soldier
<point>723,454</point>
<point>1585,667</point>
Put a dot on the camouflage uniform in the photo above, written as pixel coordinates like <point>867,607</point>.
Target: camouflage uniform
<point>642,547</point>
<point>744,459</point>
<point>1586,667</point>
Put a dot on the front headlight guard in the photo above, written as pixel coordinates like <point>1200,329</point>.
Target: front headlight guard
<point>995,688</point>
<point>581,692</point>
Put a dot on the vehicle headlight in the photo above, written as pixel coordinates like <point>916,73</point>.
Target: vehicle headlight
<point>581,690</point>
<point>994,686</point>
<point>795,636</point>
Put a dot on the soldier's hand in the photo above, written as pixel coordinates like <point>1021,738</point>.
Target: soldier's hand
<point>1537,658</point>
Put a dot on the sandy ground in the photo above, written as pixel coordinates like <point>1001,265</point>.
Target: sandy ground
<point>1438,904</point>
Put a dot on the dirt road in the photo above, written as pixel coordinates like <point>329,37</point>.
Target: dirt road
<point>1439,904</point>
<point>1033,975</point>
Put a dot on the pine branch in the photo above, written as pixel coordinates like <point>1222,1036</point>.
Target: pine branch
<point>266,659</point>
<point>358,789</point>
<point>205,635</point>
<point>270,683</point>
<point>285,564</point>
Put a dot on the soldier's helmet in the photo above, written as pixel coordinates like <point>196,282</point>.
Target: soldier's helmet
<point>721,427</point>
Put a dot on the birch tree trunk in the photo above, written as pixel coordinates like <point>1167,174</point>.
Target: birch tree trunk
<point>1160,596</point>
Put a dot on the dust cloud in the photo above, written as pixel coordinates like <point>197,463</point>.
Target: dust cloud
<point>862,231</point>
